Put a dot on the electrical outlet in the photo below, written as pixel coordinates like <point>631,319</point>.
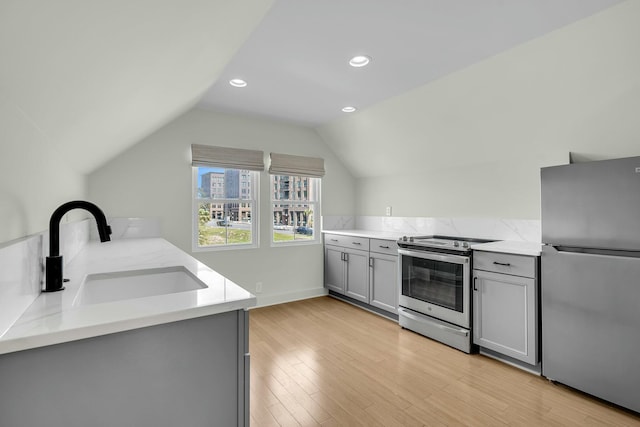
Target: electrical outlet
<point>258,287</point>
<point>388,211</point>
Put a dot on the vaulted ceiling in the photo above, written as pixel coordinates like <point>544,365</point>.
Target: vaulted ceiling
<point>296,60</point>
<point>95,77</point>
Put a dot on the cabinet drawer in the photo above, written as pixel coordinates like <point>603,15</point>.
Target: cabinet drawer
<point>517,265</point>
<point>352,242</point>
<point>389,247</point>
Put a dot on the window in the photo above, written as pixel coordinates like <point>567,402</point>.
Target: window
<point>225,197</point>
<point>295,198</point>
<point>226,217</point>
<point>294,216</point>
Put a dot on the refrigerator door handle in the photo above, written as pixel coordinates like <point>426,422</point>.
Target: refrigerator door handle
<point>600,252</point>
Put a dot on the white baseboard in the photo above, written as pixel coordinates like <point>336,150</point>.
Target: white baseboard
<point>265,300</point>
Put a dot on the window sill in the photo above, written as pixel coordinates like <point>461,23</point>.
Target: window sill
<point>295,243</point>
<point>224,248</point>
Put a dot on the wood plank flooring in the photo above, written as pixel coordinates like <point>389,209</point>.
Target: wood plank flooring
<point>322,362</point>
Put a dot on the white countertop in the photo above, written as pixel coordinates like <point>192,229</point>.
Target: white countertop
<point>384,235</point>
<point>52,318</point>
<point>510,247</point>
<point>504,246</point>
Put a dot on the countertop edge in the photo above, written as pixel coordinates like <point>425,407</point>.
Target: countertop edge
<point>54,318</point>
<point>13,345</point>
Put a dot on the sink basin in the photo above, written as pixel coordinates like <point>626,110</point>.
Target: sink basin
<point>123,285</point>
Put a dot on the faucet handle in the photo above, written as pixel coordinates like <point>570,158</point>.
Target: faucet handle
<point>53,274</point>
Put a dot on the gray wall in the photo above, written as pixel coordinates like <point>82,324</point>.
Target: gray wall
<point>34,176</point>
<point>153,179</point>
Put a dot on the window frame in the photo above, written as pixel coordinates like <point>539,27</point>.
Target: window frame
<point>317,183</point>
<point>255,212</point>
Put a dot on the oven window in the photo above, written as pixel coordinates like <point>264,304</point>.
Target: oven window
<point>435,282</point>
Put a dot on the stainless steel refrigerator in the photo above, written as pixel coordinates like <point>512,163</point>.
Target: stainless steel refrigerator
<point>591,278</point>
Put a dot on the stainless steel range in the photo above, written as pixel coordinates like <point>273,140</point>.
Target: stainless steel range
<point>435,288</point>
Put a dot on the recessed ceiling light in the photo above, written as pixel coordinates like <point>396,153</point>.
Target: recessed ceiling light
<point>359,61</point>
<point>349,109</point>
<point>237,83</point>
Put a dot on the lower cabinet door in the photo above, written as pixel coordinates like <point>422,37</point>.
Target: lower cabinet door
<point>334,269</point>
<point>383,278</point>
<point>357,276</point>
<point>505,318</point>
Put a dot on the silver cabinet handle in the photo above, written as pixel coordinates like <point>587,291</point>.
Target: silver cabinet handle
<point>506,264</point>
<point>370,261</point>
<point>346,256</point>
<point>356,243</point>
<point>334,240</point>
<point>383,247</point>
<point>475,287</point>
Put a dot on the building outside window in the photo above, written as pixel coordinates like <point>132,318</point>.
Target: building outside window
<point>295,198</point>
<point>225,214</point>
<point>225,197</point>
<point>295,212</point>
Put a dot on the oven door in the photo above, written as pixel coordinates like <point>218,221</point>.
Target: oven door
<point>435,284</point>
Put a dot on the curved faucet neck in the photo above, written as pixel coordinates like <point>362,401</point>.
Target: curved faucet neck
<point>54,223</point>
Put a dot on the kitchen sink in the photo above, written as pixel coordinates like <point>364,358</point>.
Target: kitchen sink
<point>123,285</point>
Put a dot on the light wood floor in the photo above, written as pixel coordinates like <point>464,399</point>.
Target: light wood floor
<point>324,362</point>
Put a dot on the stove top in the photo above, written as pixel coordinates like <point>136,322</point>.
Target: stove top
<point>458,244</point>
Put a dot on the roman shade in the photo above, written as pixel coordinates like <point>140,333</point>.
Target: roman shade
<point>226,157</point>
<point>286,164</point>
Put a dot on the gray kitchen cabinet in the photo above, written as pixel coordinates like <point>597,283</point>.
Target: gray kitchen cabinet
<point>383,275</point>
<point>357,274</point>
<point>505,304</point>
<point>334,278</point>
<point>192,372</point>
<point>362,269</point>
<point>346,270</point>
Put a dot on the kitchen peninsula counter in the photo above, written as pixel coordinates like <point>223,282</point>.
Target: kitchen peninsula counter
<point>54,318</point>
<point>177,358</point>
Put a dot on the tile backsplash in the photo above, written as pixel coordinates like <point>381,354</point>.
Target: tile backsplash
<point>22,267</point>
<point>129,228</point>
<point>334,222</point>
<point>480,228</point>
<point>20,278</point>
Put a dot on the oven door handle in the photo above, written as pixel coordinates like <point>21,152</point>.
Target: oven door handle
<point>456,259</point>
